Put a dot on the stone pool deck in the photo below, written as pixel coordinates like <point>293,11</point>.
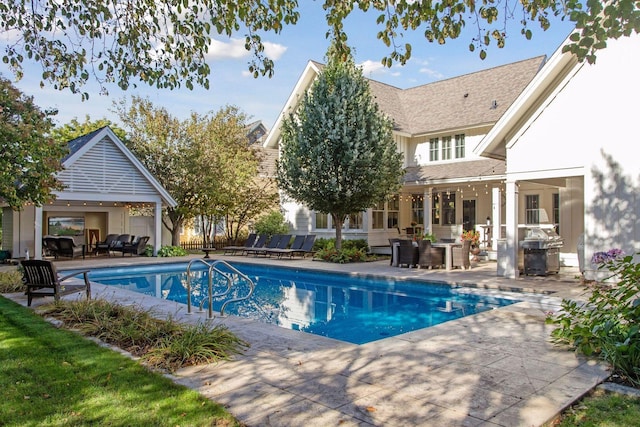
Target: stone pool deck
<point>496,368</point>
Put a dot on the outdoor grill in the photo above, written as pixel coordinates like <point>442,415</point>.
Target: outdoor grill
<point>540,250</point>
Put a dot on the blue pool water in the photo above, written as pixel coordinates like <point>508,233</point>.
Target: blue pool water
<point>339,306</point>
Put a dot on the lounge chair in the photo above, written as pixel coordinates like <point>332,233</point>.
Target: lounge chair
<point>231,250</point>
<point>67,247</point>
<point>307,247</point>
<point>298,241</point>
<point>260,243</point>
<point>41,279</point>
<point>138,247</point>
<point>273,244</point>
<point>282,244</point>
<point>428,256</point>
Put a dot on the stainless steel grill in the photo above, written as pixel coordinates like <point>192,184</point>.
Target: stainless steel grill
<point>540,250</point>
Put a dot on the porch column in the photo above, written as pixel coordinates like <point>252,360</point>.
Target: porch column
<point>37,234</point>
<point>157,242</point>
<point>496,216</point>
<point>511,256</point>
<point>426,206</point>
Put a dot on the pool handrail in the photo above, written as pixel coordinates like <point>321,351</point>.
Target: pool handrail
<point>230,280</point>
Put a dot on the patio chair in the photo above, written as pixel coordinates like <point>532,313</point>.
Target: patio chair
<point>461,255</point>
<point>67,248</point>
<point>41,279</point>
<point>407,253</point>
<point>428,256</point>
<point>105,245</point>
<point>50,246</point>
<point>138,247</point>
<point>231,250</point>
<point>392,242</point>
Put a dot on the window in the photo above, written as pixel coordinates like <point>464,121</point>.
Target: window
<point>322,220</point>
<point>393,206</point>
<point>446,148</point>
<point>355,221</point>
<point>532,206</point>
<point>556,211</point>
<point>435,208</point>
<point>417,209</point>
<point>448,208</point>
<point>459,146</point>
<point>377,215</point>
<point>433,149</point>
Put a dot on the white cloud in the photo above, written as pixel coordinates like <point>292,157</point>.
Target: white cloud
<point>425,69</point>
<point>274,50</point>
<point>234,49</point>
<point>370,67</point>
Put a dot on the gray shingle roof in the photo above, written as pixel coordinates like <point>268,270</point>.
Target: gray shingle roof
<point>79,142</point>
<point>458,102</point>
<point>459,170</point>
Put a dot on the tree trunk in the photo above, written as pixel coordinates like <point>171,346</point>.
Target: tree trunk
<point>338,222</point>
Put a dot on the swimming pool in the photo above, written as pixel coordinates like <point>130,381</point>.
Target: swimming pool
<point>349,308</point>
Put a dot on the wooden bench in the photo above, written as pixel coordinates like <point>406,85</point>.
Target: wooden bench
<point>207,250</point>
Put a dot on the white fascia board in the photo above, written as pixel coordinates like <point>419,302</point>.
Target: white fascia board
<point>307,77</point>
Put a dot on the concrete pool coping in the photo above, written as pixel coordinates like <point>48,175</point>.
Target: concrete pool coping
<point>494,368</point>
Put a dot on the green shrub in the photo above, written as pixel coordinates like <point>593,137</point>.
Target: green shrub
<point>430,236</point>
<point>608,325</point>
<point>272,223</point>
<point>323,243</point>
<point>148,250</point>
<point>11,281</point>
<point>167,251</point>
<point>342,256</point>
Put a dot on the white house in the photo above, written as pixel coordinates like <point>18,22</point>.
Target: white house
<point>574,128</point>
<point>447,186</point>
<point>103,180</point>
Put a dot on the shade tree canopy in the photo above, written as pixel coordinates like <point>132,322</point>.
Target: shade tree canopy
<point>203,161</point>
<point>75,128</point>
<point>164,43</point>
<point>29,158</point>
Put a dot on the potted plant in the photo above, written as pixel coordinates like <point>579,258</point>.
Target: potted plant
<point>429,236</point>
<point>474,237</point>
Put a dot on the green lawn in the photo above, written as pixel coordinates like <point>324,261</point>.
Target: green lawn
<point>54,377</point>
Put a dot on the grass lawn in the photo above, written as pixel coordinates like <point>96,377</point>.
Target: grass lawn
<point>601,409</point>
<point>54,377</point>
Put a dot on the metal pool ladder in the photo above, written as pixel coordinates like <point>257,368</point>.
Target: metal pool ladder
<point>230,277</point>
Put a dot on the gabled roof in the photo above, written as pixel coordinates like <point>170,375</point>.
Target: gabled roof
<point>100,166</point>
<point>470,100</point>
<point>465,101</point>
<point>537,91</point>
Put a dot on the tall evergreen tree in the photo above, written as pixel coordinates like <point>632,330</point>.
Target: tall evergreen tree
<point>337,150</point>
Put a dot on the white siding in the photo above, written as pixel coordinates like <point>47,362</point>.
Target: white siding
<point>104,169</point>
<point>588,128</point>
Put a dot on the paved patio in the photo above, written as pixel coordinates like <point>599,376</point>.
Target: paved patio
<point>496,368</point>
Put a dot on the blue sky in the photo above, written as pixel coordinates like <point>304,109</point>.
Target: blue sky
<point>263,98</point>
